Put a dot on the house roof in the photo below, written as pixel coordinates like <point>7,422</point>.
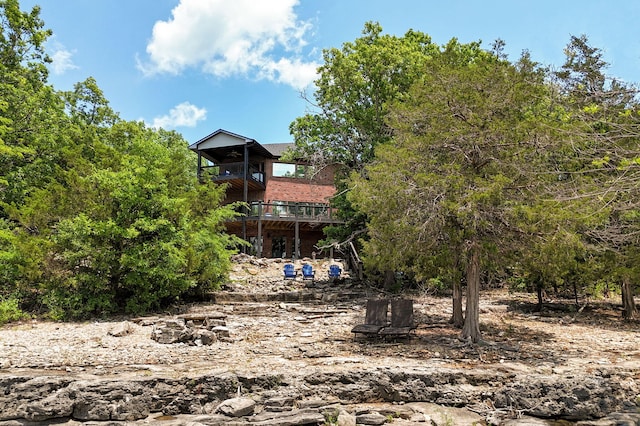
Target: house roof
<point>195,146</point>
<point>277,149</point>
<point>224,144</point>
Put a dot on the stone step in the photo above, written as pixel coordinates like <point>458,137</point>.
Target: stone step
<point>308,296</point>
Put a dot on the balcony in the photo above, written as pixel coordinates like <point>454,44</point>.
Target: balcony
<point>233,174</point>
<point>290,211</point>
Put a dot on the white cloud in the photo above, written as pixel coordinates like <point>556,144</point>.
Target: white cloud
<point>258,39</point>
<point>62,61</point>
<point>295,73</point>
<point>182,115</point>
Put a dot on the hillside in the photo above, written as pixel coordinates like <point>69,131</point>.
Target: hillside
<point>303,341</point>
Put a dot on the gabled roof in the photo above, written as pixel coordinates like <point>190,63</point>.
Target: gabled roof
<point>223,143</point>
<point>196,145</point>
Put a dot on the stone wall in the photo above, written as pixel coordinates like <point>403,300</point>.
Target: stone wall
<point>45,398</point>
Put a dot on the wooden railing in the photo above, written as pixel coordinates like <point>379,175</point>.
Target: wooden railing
<point>355,262</point>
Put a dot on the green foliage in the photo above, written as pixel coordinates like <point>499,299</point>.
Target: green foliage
<point>86,104</point>
<point>437,285</point>
<point>97,215</point>
<point>10,311</point>
<point>9,257</point>
<point>468,148</point>
<point>455,151</point>
<point>356,84</point>
<point>605,166</point>
<point>27,104</point>
<point>21,261</point>
<point>142,237</point>
<point>451,173</point>
<point>331,417</point>
<point>354,87</point>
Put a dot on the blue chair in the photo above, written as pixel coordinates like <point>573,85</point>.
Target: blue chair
<point>334,271</point>
<point>290,272</point>
<point>308,273</point>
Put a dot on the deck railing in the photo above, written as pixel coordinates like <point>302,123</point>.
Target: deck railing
<point>232,171</point>
<point>292,210</point>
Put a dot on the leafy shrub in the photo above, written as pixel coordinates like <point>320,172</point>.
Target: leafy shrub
<point>10,311</point>
<point>147,234</point>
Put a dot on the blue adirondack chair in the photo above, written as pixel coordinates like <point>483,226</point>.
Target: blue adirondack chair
<point>290,272</point>
<point>308,273</point>
<point>334,271</point>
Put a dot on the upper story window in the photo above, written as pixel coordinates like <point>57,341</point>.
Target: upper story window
<point>292,170</point>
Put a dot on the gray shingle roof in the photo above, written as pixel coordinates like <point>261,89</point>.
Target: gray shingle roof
<point>277,149</point>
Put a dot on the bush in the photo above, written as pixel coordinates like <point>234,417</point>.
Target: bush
<point>10,311</point>
<point>146,234</point>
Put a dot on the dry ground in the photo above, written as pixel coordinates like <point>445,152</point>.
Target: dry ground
<point>286,337</point>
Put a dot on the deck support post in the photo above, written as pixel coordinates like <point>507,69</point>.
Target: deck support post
<point>245,192</point>
<point>296,244</point>
<point>259,242</point>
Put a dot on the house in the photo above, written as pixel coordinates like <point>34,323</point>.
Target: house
<point>288,202</point>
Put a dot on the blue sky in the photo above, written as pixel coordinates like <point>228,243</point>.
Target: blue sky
<point>195,66</point>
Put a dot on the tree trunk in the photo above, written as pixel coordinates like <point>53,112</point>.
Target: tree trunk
<point>457,319</point>
<point>629,310</point>
<point>389,280</point>
<point>540,297</point>
<point>471,328</point>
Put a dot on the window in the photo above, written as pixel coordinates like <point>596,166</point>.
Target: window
<point>292,170</point>
<point>284,170</point>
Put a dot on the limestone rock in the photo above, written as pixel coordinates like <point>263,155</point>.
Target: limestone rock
<point>171,331</point>
<point>291,418</point>
<point>546,397</point>
<point>206,337</point>
<point>221,331</point>
<point>373,418</point>
<point>318,402</point>
<point>525,421</point>
<point>346,419</point>
<point>209,323</point>
<point>614,419</point>
<point>49,408</point>
<point>121,329</point>
<point>237,407</point>
<point>279,404</point>
<point>442,415</point>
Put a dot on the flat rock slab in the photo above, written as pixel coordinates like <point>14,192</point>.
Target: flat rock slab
<point>237,407</point>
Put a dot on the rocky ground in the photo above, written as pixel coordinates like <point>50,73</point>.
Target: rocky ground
<point>301,333</point>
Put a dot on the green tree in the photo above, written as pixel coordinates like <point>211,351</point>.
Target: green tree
<point>355,85</point>
<point>551,259</point>
<point>465,156</point>
<point>29,108</point>
<point>607,152</point>
<point>353,90</point>
<point>30,111</point>
<point>97,215</point>
<point>145,232</point>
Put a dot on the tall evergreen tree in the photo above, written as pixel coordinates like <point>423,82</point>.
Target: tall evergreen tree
<point>464,160</point>
<point>607,156</point>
